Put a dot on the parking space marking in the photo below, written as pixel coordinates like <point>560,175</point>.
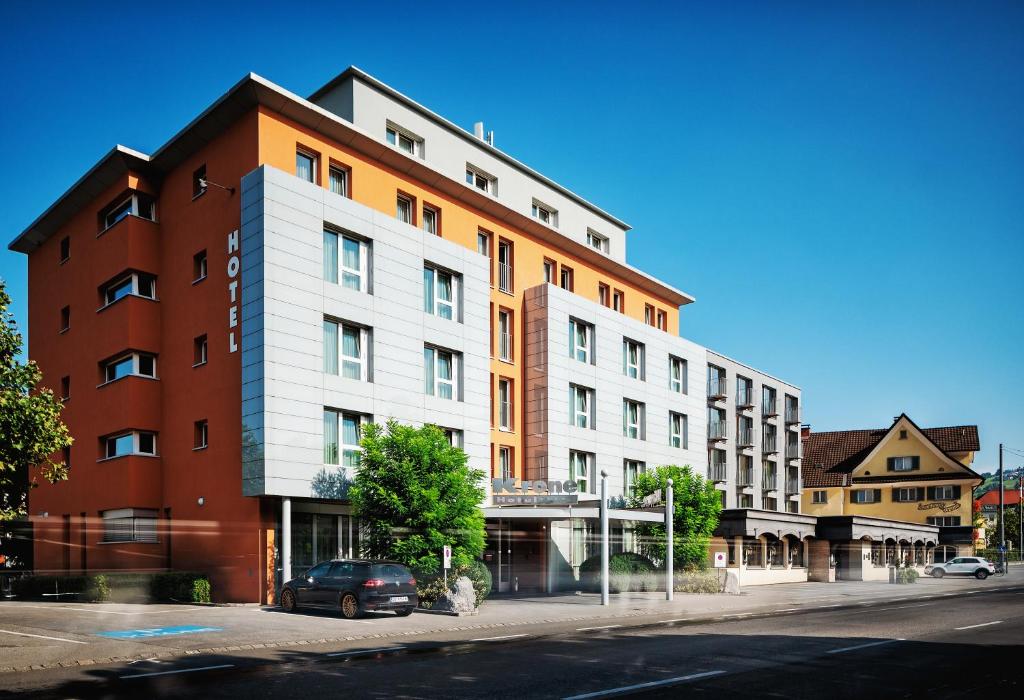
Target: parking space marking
<point>43,636</point>
<point>357,652</point>
<point>862,646</point>
<point>182,670</point>
<point>983,624</point>
<point>149,632</point>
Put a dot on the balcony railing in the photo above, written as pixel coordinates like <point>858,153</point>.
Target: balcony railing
<point>793,451</point>
<point>716,388</point>
<point>768,482</point>
<point>792,486</point>
<point>505,346</point>
<point>792,414</point>
<point>745,477</point>
<point>768,444</point>
<point>768,408</point>
<point>716,471</point>
<point>744,437</point>
<point>744,397</point>
<point>505,277</point>
<point>718,430</point>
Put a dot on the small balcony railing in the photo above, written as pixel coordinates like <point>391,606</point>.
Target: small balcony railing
<point>744,437</point>
<point>505,346</point>
<point>792,486</point>
<point>717,430</point>
<point>716,471</point>
<point>745,477</point>
<point>716,388</point>
<point>505,277</point>
<point>792,414</point>
<point>769,409</point>
<point>744,397</point>
<point>768,444</point>
<point>793,451</point>
<point>768,482</point>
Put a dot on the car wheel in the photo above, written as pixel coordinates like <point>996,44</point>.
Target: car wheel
<point>350,606</point>
<point>288,601</point>
<point>404,612</point>
<point>981,574</point>
<point>938,573</point>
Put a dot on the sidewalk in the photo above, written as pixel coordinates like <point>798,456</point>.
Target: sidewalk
<point>39,635</point>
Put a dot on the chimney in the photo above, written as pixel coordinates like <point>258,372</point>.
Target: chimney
<point>478,130</point>
<point>805,431</point>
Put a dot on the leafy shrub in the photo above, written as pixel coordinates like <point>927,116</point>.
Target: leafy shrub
<point>697,580</point>
<point>906,575</point>
<point>480,575</point>
<point>627,571</point>
<point>182,587</point>
<point>94,588</point>
<point>430,588</point>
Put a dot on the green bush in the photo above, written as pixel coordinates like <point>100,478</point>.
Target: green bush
<point>697,580</point>
<point>480,575</point>
<point>182,587</point>
<point>93,589</point>
<point>906,575</point>
<point>627,571</point>
<point>430,588</point>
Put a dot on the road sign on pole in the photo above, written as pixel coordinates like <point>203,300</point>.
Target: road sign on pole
<point>604,537</point>
<point>669,555</point>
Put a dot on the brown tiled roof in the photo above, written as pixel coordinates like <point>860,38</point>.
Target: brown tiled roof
<point>828,458</point>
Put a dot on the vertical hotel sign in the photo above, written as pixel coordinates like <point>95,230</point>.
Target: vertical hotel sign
<point>234,263</point>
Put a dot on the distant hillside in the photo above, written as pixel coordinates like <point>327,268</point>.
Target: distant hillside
<point>992,482</point>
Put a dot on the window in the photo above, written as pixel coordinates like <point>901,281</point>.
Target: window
<point>131,443</point>
<point>200,434</point>
<point>819,497</point>
<point>481,180</point>
<point>769,503</point>
<point>199,181</point>
<point>565,280</point>
<point>662,320</point>
<point>903,435</point>
<point>768,401</point>
<point>134,364</point>
<point>648,314</point>
<point>136,284</point>
<point>504,335</point>
<point>199,266</point>
<point>65,318</point>
<point>944,520</point>
<point>306,165</point>
<point>581,406</point>
<point>505,266</point>
<point>545,214</point>
<point>404,208</point>
<point>677,430</point>
<point>717,427</point>
<point>581,341</point>
<point>199,353</point>
<point>483,243</point>
<point>337,177</point>
<point>677,374</point>
<point>619,301</point>
<point>504,404</point>
<point>580,468</point>
<point>632,359</point>
<point>866,496</point>
<point>65,249</point>
<point>440,369</point>
<point>65,388</point>
<point>744,391</point>
<point>744,431</point>
<point>352,263</point>
<point>550,271</point>
<point>604,296</point>
<point>345,350</point>
<point>630,470</point>
<point>633,419</point>
<point>768,438</point>
<point>453,436</point>
<point>744,500</point>
<point>596,240</point>
<point>404,140</point>
<point>431,220</point>
<point>946,492</point>
<point>439,291</point>
<point>906,495</point>
<point>505,462</point>
<point>134,203</point>
<point>903,464</point>
<point>129,525</point>
<point>341,437</point>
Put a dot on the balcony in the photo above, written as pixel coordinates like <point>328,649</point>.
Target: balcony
<point>716,471</point>
<point>745,476</point>
<point>505,346</point>
<point>792,415</point>
<point>744,437</point>
<point>768,444</point>
<point>768,481</point>
<point>793,451</point>
<point>505,277</point>
<point>792,486</point>
<point>744,398</point>
<point>769,409</point>
<point>718,430</point>
<point>717,388</point>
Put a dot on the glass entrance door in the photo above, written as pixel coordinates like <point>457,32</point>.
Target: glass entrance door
<point>318,537</point>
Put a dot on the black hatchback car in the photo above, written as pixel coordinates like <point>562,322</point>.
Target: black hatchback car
<point>353,586</point>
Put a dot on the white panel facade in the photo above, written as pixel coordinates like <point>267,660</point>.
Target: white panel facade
<point>449,151</point>
<point>285,299</point>
<point>550,369</point>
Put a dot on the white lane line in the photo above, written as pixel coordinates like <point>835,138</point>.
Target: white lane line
<point>903,607</point>
<point>983,624</point>
<point>787,610</point>
<point>603,627</point>
<point>678,619</point>
<point>183,670</point>
<point>43,636</point>
<point>640,686</point>
<point>837,605</point>
<point>862,646</point>
<point>357,652</point>
<point>494,639</point>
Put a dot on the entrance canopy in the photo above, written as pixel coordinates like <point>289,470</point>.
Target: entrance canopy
<point>747,522</point>
<point>567,512</point>
<point>856,527</point>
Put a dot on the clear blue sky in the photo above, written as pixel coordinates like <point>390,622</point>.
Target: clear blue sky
<point>841,185</point>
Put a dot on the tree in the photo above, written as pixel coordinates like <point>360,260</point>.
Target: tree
<point>31,431</point>
<point>696,506</point>
<point>414,493</point>
<point>1012,529</point>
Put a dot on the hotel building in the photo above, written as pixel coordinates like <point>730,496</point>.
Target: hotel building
<point>220,317</point>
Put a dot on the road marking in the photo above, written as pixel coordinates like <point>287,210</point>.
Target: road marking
<point>678,619</point>
<point>183,670</point>
<point>494,639</point>
<point>365,651</point>
<point>837,605</point>
<point>787,610</point>
<point>43,636</point>
<point>904,607</point>
<point>983,624</point>
<point>603,627</point>
<point>640,686</point>
<point>862,646</point>
<point>146,633</point>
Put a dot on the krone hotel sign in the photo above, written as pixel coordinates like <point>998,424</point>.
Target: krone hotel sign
<point>534,493</point>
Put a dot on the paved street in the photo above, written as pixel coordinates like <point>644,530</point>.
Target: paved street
<point>942,638</point>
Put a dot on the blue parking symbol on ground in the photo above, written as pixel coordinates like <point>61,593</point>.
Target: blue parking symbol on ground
<point>158,632</point>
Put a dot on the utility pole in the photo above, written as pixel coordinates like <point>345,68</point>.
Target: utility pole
<point>1020,512</point>
<point>604,537</point>
<point>670,513</point>
<point>1002,515</point>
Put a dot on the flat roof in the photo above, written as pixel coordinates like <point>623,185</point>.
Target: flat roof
<point>753,369</point>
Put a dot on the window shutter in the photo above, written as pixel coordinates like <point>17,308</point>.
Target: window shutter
<point>916,463</point>
<point>895,495</point>
<point>890,464</point>
<point>956,491</point>
<point>878,495</point>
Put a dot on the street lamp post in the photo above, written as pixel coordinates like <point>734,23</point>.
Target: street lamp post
<point>604,537</point>
<point>669,554</point>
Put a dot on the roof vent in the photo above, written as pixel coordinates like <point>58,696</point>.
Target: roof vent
<point>478,130</point>
<point>490,138</point>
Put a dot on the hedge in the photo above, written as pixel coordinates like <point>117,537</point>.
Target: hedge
<point>176,586</point>
<point>430,589</point>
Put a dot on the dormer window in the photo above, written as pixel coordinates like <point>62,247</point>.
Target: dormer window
<point>596,240</point>
<point>545,214</point>
<point>134,203</point>
<point>481,180</point>
<point>404,140</point>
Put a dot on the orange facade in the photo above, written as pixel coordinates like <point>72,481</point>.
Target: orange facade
<point>205,522</point>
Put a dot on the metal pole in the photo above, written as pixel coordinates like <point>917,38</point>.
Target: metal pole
<point>286,539</point>
<point>669,555</point>
<point>604,537</point>
<point>1002,515</point>
<point>1020,513</point>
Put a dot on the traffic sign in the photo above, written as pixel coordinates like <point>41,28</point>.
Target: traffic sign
<point>447,557</point>
<point>720,560</point>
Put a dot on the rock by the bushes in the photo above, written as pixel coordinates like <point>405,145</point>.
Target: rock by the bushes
<point>732,583</point>
<point>461,599</point>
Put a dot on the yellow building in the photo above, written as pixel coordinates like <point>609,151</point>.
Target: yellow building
<point>902,473</point>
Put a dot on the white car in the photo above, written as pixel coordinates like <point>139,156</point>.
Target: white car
<point>962,566</point>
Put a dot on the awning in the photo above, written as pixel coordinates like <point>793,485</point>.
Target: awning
<point>567,512</point>
<point>747,522</point>
<point>856,527</point>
